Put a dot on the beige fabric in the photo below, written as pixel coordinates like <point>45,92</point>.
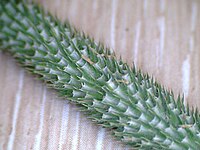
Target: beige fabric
<point>162,37</point>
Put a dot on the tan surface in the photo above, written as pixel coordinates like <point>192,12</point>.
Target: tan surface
<point>162,37</point>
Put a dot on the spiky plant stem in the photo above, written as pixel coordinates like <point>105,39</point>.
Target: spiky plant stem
<point>139,111</point>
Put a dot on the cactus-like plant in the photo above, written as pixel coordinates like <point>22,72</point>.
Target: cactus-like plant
<point>139,111</point>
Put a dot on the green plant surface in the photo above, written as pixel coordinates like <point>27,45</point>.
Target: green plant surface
<point>139,111</point>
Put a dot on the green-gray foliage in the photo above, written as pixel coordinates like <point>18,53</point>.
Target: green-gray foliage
<point>139,111</point>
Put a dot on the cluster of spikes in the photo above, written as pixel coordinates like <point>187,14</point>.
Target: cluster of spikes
<point>138,111</point>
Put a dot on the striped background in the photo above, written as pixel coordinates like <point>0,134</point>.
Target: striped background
<point>162,38</point>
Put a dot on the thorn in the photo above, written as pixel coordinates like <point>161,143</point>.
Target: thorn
<point>185,126</point>
<point>87,59</point>
<point>123,81</point>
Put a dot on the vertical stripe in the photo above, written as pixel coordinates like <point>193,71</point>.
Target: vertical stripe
<point>124,33</point>
<point>16,111</point>
<point>161,25</point>
<point>76,132</point>
<point>194,16</point>
<point>57,5</point>
<point>73,10</point>
<point>100,139</point>
<point>94,5</point>
<point>186,63</point>
<point>186,76</point>
<point>145,4</point>
<point>193,25</point>
<point>136,42</point>
<point>162,6</point>
<point>64,125</point>
<point>113,17</point>
<point>38,137</point>
<point>191,43</point>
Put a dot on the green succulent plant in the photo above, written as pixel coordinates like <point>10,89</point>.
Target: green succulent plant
<point>139,111</point>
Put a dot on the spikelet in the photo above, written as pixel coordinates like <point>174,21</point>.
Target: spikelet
<point>139,111</point>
